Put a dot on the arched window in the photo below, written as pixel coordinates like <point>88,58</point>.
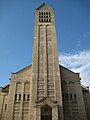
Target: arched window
<point>72,87</point>
<point>18,91</point>
<point>26,87</point>
<point>26,95</point>
<point>18,87</point>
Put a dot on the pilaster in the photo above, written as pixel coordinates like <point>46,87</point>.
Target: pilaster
<point>10,106</point>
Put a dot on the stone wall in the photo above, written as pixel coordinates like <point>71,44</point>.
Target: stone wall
<point>73,102</point>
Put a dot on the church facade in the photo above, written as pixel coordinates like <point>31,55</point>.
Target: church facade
<point>44,90</point>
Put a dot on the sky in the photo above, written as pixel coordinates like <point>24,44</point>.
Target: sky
<point>72,18</point>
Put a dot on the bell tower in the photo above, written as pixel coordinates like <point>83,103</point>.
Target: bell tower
<point>46,82</point>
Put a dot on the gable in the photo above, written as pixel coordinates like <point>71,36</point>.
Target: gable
<point>68,75</point>
<point>45,7</point>
<point>6,88</point>
<point>24,74</point>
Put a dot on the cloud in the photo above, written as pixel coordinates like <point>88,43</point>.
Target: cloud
<point>78,62</point>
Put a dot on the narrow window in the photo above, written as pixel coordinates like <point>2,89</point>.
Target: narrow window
<point>19,97</point>
<point>46,13</point>
<point>27,97</point>
<point>5,107</point>
<point>15,97</point>
<point>70,96</point>
<point>74,96</point>
<point>24,97</point>
<point>49,20</point>
<point>41,20</point>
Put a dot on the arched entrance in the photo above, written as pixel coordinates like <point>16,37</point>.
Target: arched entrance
<point>46,112</point>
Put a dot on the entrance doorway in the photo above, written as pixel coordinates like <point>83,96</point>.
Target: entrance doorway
<point>46,112</point>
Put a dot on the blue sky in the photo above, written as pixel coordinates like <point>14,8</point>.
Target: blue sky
<point>17,31</point>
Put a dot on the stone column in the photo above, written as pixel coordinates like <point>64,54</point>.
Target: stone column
<point>21,104</point>
<point>1,103</point>
<point>80,100</point>
<point>10,106</point>
<point>38,113</point>
<point>55,113</point>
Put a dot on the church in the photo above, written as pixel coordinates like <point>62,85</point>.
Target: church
<point>44,90</point>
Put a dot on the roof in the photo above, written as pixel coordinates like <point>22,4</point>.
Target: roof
<point>23,69</point>
<point>67,69</point>
<point>31,66</point>
<point>44,4</point>
<point>6,88</point>
<point>85,88</point>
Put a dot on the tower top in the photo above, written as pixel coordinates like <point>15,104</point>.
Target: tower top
<point>44,14</point>
<point>45,6</point>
